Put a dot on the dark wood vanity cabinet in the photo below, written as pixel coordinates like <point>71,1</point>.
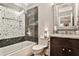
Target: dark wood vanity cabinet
<point>64,46</point>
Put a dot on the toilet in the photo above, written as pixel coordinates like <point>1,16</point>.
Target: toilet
<point>38,50</point>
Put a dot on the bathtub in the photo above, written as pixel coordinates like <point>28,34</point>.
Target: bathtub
<point>18,49</point>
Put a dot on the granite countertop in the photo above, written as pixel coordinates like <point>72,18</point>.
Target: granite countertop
<point>73,36</point>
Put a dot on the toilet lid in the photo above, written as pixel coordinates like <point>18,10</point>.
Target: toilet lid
<point>38,47</point>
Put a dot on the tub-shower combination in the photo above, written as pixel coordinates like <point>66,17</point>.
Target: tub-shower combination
<point>18,49</point>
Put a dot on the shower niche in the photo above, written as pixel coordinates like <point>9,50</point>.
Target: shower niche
<point>32,24</point>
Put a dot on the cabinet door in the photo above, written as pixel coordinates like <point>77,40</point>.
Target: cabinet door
<point>64,47</point>
<point>73,51</point>
<point>55,51</point>
<point>58,51</point>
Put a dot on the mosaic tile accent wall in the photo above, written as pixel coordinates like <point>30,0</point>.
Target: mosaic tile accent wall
<point>11,24</point>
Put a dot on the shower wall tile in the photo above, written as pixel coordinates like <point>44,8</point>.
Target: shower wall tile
<point>12,28</point>
<point>10,41</point>
<point>10,25</point>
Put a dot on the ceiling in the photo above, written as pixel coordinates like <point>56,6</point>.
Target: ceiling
<point>16,6</point>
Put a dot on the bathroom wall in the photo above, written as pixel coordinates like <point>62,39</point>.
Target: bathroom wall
<point>45,19</point>
<point>12,27</point>
<point>11,24</point>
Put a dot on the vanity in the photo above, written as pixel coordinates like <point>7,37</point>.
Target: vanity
<point>64,40</point>
<point>64,45</point>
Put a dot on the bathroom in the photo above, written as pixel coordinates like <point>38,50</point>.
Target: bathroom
<point>39,29</point>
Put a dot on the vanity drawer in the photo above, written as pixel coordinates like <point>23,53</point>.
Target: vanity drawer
<point>59,41</point>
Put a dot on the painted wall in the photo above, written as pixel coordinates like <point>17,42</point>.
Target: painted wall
<point>45,19</point>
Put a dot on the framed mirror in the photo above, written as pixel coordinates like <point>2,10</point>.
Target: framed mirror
<point>66,20</point>
<point>64,15</point>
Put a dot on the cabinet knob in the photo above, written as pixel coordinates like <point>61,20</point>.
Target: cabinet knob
<point>63,49</point>
<point>70,50</point>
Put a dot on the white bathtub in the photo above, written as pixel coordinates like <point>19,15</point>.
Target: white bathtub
<point>18,49</point>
